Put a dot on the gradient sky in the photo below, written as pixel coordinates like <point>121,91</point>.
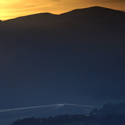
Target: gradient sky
<point>15,8</point>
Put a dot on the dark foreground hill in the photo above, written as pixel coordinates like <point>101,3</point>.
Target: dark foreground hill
<point>78,119</point>
<point>105,116</point>
<point>76,57</point>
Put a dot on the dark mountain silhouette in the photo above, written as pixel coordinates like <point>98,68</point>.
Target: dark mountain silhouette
<point>30,21</point>
<point>86,17</point>
<point>93,15</point>
<point>61,40</point>
<point>67,48</point>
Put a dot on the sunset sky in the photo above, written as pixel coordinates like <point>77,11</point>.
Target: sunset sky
<point>15,8</point>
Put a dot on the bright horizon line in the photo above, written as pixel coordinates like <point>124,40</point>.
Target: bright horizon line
<point>51,105</point>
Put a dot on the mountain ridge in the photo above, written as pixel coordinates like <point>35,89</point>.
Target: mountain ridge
<point>86,17</point>
<point>93,7</point>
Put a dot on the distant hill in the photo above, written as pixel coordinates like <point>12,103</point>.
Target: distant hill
<point>86,17</point>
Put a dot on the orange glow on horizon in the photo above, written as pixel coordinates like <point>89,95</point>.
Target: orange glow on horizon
<point>16,8</point>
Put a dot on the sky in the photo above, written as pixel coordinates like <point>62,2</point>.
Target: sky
<point>16,8</point>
